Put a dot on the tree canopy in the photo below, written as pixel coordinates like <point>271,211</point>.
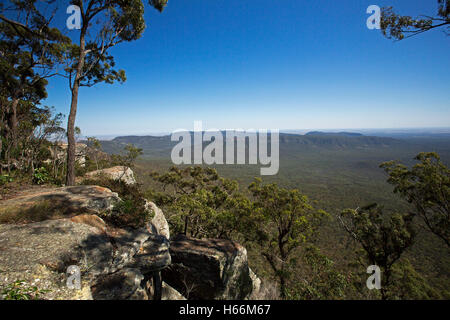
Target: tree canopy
<point>398,27</point>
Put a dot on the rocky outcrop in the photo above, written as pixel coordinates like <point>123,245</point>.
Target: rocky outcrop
<point>153,255</point>
<point>114,263</point>
<point>256,286</point>
<point>124,284</point>
<point>169,293</point>
<point>159,223</point>
<point>121,173</point>
<point>66,200</point>
<point>208,269</point>
<point>41,252</point>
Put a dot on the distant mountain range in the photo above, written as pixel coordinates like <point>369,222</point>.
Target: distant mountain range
<point>161,146</point>
<point>320,133</point>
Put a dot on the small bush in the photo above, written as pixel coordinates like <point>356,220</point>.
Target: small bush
<point>131,211</point>
<point>18,290</point>
<point>41,176</point>
<point>4,179</point>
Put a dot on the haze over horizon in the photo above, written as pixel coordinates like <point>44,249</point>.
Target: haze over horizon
<point>254,64</point>
<point>364,131</point>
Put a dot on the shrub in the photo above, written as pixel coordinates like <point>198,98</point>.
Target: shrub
<point>41,176</point>
<point>4,179</point>
<point>131,211</point>
<point>18,290</point>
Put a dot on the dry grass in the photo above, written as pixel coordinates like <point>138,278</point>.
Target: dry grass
<point>40,211</point>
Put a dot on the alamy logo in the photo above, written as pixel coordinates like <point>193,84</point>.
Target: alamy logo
<point>374,281</point>
<point>213,153</point>
<point>73,277</point>
<point>74,20</point>
<point>374,21</point>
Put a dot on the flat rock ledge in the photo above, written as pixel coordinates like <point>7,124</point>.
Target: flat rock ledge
<point>66,200</point>
<point>40,253</point>
<point>116,263</point>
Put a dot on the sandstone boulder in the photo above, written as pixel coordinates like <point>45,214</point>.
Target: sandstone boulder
<point>40,253</point>
<point>159,223</point>
<point>114,262</point>
<point>46,203</point>
<point>153,255</point>
<point>256,286</point>
<point>208,269</point>
<point>169,293</point>
<point>124,174</point>
<point>124,284</point>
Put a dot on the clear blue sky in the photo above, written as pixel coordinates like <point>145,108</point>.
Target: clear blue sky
<point>286,64</point>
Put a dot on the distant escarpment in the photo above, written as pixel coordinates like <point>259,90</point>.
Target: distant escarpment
<point>161,146</point>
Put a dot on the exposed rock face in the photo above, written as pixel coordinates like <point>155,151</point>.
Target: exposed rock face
<point>121,285</point>
<point>169,293</point>
<point>90,220</point>
<point>256,286</point>
<point>208,269</point>
<point>77,199</point>
<point>114,263</point>
<point>124,174</point>
<point>159,223</point>
<point>153,255</point>
<point>41,252</point>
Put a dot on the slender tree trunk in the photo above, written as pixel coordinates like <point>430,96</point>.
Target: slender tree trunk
<point>71,147</point>
<point>157,282</point>
<point>14,125</point>
<point>283,257</point>
<point>386,275</point>
<point>186,223</point>
<point>1,137</point>
<point>282,287</point>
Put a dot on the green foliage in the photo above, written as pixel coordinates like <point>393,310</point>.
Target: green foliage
<point>334,174</point>
<point>408,284</point>
<point>198,202</point>
<point>280,221</point>
<point>30,54</point>
<point>96,147</point>
<point>4,179</point>
<point>118,21</point>
<point>105,24</point>
<point>158,4</point>
<point>132,210</point>
<point>41,176</point>
<point>19,290</point>
<point>319,279</point>
<point>94,143</point>
<point>129,158</point>
<point>400,27</point>
<point>427,186</point>
<point>383,237</point>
